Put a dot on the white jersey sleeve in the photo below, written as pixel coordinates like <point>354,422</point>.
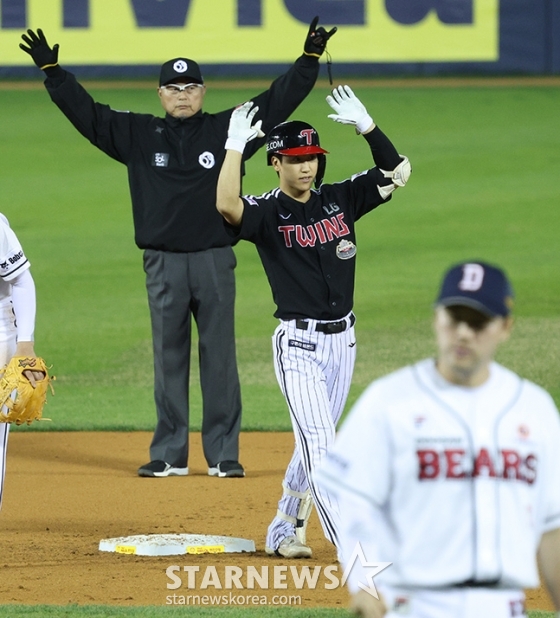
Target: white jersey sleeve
<point>12,258</point>
<point>16,284</point>
<point>24,305</point>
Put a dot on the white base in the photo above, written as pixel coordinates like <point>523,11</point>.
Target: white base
<point>173,544</point>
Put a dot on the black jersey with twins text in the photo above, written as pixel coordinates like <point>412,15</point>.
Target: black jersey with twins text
<point>309,250</point>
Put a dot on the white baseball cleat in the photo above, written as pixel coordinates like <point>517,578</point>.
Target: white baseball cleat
<point>290,547</point>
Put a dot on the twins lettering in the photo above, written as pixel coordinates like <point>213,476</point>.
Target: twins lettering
<point>307,236</point>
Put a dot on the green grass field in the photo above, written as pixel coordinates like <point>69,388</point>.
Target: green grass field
<point>484,186</point>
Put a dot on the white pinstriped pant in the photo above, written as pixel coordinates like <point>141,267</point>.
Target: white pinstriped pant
<point>314,371</point>
<point>7,349</point>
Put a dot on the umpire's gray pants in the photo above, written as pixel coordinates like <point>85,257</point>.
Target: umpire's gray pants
<point>201,283</point>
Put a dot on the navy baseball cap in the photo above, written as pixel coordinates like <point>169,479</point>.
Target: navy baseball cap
<point>180,68</point>
<point>478,285</point>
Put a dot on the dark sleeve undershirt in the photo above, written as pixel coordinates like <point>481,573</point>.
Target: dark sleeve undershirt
<point>384,153</point>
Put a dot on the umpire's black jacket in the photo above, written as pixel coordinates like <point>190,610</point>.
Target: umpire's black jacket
<point>173,164</point>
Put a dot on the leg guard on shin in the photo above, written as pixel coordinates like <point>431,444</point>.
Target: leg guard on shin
<point>303,514</point>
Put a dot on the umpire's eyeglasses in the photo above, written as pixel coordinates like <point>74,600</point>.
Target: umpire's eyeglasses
<point>175,89</point>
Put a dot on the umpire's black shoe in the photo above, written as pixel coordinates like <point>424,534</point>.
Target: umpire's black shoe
<point>229,469</point>
<point>160,468</point>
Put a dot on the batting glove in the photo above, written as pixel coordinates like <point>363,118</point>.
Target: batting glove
<point>316,39</point>
<point>241,128</point>
<point>349,109</point>
<point>43,56</point>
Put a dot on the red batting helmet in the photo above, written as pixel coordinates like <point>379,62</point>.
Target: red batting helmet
<point>295,138</point>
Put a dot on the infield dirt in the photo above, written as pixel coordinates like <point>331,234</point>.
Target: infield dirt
<point>64,492</point>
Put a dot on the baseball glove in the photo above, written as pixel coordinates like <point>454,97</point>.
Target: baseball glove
<point>20,402</point>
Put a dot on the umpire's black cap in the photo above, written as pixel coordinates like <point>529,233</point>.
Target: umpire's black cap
<point>180,68</point>
<point>478,285</point>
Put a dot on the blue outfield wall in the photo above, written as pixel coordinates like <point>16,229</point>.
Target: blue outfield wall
<point>375,38</point>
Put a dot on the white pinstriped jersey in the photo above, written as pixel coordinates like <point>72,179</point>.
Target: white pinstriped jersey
<point>448,483</point>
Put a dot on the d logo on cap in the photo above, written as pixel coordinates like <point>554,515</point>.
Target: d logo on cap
<point>473,276</point>
<point>478,285</point>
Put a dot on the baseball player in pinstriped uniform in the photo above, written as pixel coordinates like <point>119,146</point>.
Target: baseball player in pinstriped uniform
<point>450,469</point>
<point>17,300</point>
<point>307,243</point>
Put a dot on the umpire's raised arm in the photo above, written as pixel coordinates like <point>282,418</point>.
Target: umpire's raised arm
<point>287,91</point>
<point>103,127</point>
<point>37,47</point>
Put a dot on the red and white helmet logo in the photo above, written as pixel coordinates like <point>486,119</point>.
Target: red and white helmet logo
<point>307,134</point>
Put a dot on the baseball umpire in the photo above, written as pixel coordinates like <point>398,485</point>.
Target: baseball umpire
<point>450,469</point>
<point>173,165</point>
<point>307,243</point>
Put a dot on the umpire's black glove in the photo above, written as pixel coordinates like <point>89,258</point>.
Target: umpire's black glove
<point>317,38</point>
<point>43,56</point>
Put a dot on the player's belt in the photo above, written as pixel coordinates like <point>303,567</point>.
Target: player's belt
<point>328,328</point>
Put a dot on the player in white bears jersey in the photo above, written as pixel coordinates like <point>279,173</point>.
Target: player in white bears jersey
<point>307,243</point>
<point>450,470</point>
<point>17,317</point>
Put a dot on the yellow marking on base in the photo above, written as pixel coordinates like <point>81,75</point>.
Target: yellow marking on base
<point>205,549</point>
<point>125,549</point>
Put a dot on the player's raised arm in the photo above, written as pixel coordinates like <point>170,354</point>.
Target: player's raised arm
<point>241,130</point>
<point>351,111</point>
